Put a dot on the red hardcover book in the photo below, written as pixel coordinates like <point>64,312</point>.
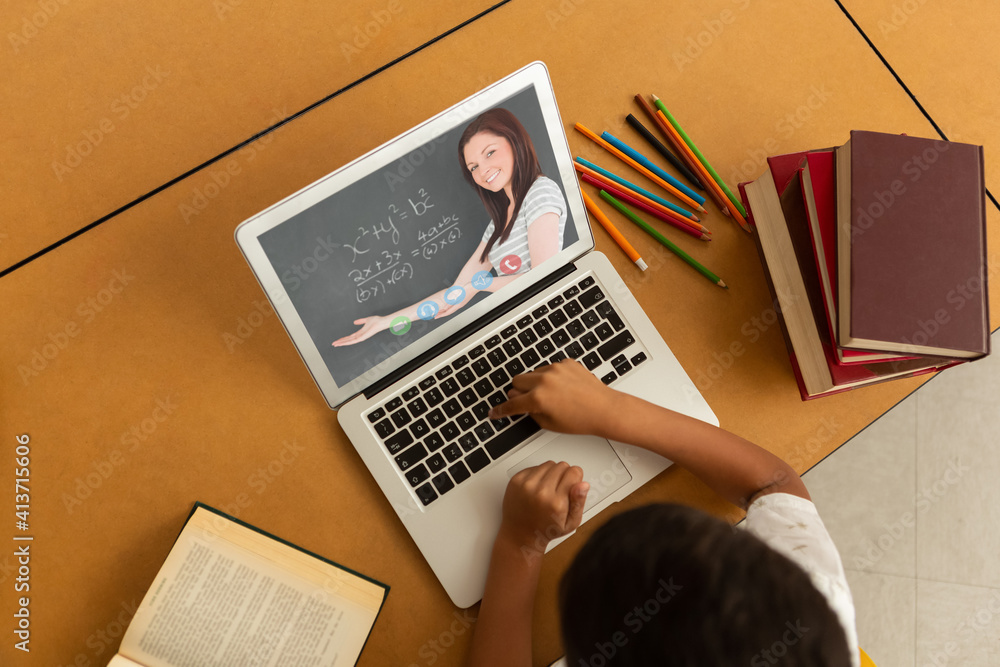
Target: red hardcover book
<point>818,178</point>
<point>783,242</point>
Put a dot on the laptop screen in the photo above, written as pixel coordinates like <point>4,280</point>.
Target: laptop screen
<point>399,249</point>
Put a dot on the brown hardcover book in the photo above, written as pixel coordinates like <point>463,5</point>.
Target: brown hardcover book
<point>782,238</point>
<point>911,246</point>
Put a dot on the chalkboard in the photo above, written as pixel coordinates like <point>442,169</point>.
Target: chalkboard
<point>387,241</point>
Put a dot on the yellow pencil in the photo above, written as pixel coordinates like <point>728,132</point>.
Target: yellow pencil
<point>613,231</point>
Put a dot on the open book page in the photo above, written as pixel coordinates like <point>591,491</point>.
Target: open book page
<point>121,661</point>
<point>230,596</point>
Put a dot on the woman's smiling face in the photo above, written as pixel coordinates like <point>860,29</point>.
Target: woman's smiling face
<point>490,159</point>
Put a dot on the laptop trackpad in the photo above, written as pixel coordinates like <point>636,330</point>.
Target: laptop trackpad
<point>601,465</point>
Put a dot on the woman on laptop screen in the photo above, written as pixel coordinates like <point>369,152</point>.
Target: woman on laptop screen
<point>498,159</point>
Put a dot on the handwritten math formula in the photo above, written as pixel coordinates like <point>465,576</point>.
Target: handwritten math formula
<point>382,257</point>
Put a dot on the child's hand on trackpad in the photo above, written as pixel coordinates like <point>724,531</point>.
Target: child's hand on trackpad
<point>542,503</point>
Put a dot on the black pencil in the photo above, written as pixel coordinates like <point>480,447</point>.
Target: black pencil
<point>664,151</point>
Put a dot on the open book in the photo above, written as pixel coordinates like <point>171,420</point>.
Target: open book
<point>229,594</point>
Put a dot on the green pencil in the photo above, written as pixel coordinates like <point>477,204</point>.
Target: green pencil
<point>694,149</point>
<point>662,239</point>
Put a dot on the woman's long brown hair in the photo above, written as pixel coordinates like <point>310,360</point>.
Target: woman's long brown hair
<point>526,169</point>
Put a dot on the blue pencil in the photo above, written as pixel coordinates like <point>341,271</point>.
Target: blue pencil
<point>635,188</point>
<point>648,164</point>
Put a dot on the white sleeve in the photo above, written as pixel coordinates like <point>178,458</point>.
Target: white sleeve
<point>544,196</point>
<point>792,526</point>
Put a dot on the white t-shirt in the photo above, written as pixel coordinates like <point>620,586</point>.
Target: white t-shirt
<point>544,196</point>
<point>791,526</point>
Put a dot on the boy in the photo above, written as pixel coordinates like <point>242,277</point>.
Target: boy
<point>664,585</point>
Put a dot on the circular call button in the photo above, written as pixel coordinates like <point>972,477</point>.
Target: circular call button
<point>510,264</point>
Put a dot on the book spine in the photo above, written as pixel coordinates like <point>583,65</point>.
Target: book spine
<point>775,303</point>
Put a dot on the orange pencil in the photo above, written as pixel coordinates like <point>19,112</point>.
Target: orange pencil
<point>613,231</point>
<point>720,196</point>
<point>687,157</point>
<point>692,221</point>
<point>582,129</point>
<point>629,199</point>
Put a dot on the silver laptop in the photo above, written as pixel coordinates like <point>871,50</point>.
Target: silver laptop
<point>412,312</point>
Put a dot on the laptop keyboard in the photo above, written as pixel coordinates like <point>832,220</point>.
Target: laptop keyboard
<point>437,430</point>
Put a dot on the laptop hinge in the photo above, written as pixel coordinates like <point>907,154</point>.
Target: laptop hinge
<point>468,331</point>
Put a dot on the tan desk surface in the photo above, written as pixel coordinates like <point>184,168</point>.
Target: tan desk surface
<point>153,301</point>
<point>104,102</point>
<point>948,58</point>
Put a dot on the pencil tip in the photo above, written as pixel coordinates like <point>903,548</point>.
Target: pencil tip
<point>706,237</point>
<point>655,98</point>
<point>722,284</point>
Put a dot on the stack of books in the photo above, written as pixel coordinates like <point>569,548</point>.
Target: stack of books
<point>875,254</point>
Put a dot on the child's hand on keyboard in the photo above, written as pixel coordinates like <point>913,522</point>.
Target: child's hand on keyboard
<point>563,397</point>
<point>541,504</point>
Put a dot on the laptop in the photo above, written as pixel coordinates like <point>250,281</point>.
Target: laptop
<point>412,312</point>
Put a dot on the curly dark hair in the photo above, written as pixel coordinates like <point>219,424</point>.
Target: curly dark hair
<point>671,585</point>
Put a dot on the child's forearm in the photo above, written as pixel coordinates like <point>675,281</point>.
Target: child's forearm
<point>503,629</point>
<point>733,467</point>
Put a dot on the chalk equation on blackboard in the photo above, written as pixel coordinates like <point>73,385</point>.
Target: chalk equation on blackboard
<point>437,236</point>
<point>379,244</point>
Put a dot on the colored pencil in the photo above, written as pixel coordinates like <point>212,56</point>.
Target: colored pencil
<point>662,239</point>
<point>684,213</point>
<point>694,149</point>
<point>634,201</point>
<point>664,151</point>
<point>622,242</point>
<point>582,129</point>
<point>652,166</point>
<point>682,150</point>
<point>710,185</point>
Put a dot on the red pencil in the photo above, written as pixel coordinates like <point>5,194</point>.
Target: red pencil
<point>625,196</point>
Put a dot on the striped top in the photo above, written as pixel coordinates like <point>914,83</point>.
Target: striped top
<point>544,196</point>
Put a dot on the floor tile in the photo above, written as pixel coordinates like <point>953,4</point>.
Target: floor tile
<point>958,464</point>
<point>865,493</point>
<point>886,613</point>
<point>957,625</point>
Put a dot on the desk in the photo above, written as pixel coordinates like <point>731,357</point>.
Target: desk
<point>139,403</point>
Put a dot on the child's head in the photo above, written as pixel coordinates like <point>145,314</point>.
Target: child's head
<point>670,585</point>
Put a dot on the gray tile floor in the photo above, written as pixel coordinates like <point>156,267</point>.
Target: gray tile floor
<point>913,504</point>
